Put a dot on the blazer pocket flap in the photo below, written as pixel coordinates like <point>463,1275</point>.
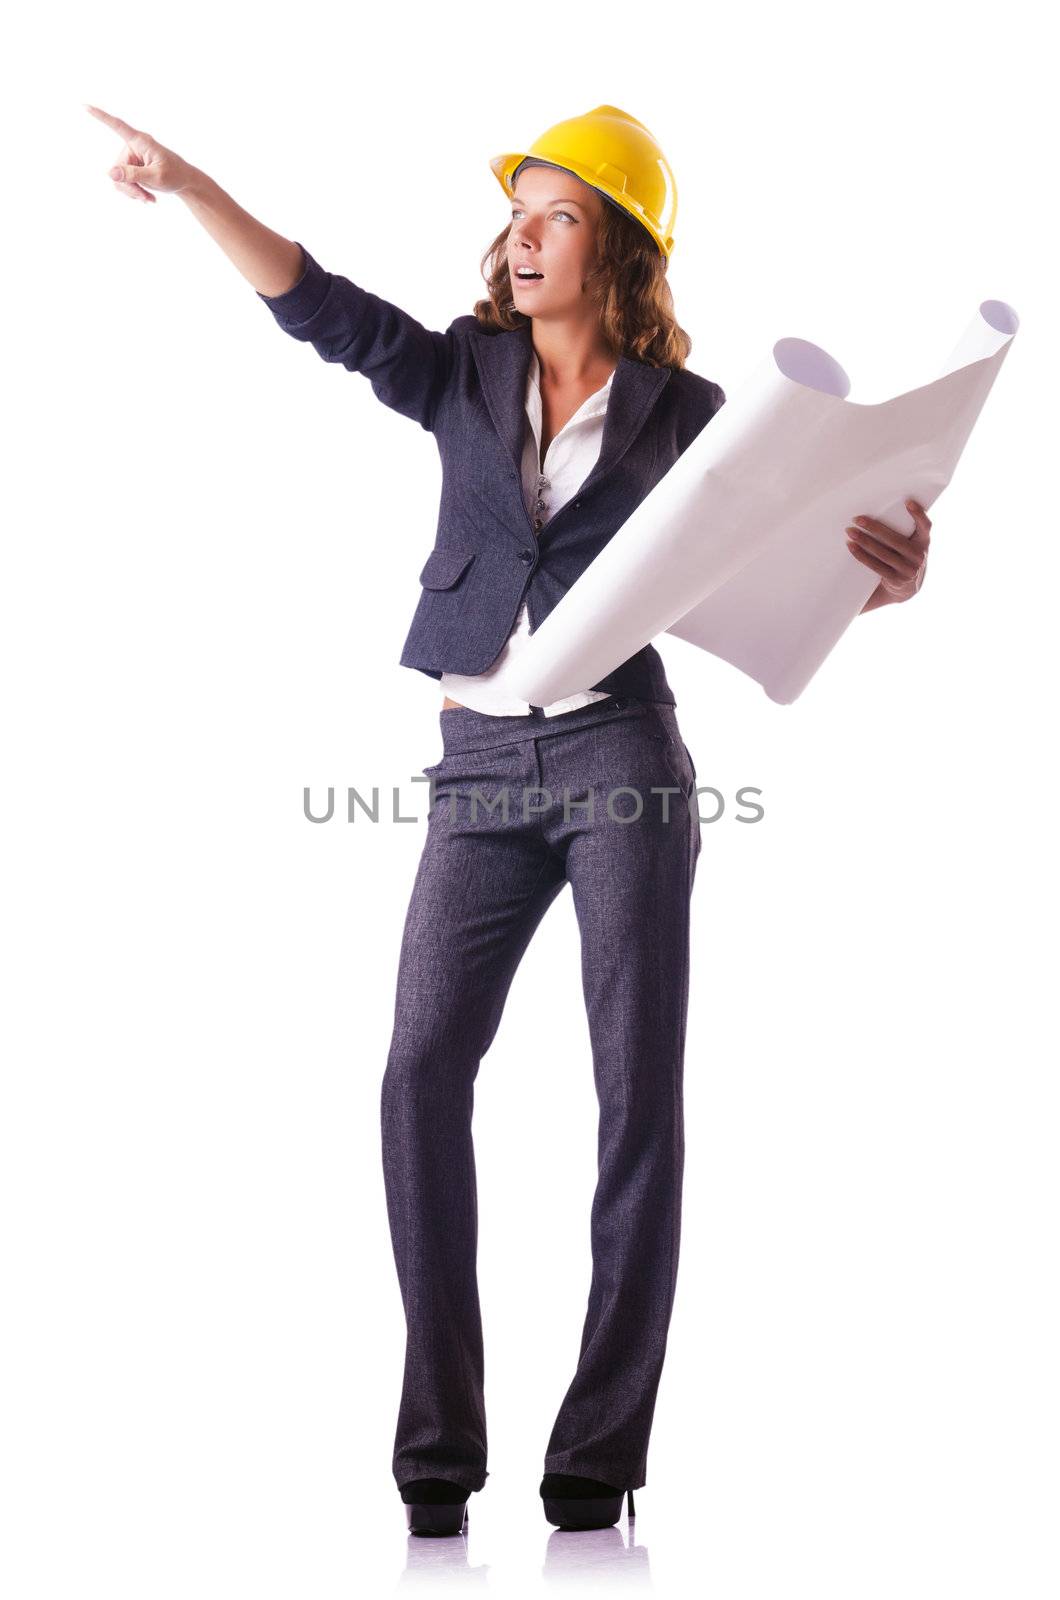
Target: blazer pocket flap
<point>444,567</point>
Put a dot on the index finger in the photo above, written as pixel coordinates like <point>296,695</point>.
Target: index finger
<point>114,122</point>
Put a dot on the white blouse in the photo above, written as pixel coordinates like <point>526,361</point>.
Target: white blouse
<point>570,458</point>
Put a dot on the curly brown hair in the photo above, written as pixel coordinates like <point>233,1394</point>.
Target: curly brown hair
<point>628,282</point>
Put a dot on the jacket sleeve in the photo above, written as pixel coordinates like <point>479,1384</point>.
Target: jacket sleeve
<point>407,365</point>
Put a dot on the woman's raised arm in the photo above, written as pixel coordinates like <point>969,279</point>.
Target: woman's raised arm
<point>270,263</point>
<point>407,364</point>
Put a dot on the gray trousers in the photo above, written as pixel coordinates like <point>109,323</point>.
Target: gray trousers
<point>483,884</point>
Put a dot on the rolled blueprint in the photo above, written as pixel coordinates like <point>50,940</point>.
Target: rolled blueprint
<point>739,548</point>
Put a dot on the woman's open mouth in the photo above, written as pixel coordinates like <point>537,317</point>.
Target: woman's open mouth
<point>527,277</point>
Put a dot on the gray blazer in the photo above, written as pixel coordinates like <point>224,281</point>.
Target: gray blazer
<point>467,386</point>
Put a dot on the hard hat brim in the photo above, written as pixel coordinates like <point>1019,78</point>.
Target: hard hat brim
<point>503,167</point>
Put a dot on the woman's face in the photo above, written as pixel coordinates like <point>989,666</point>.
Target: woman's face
<point>554,219</point>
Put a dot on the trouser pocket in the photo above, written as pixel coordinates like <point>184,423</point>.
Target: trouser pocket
<point>664,730</point>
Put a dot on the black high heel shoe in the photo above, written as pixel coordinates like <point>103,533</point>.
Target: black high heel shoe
<point>435,1505</point>
<point>574,1503</point>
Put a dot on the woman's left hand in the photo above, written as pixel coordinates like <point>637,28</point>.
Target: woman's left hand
<point>900,559</point>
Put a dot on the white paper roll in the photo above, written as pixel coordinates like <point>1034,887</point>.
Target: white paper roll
<point>739,548</point>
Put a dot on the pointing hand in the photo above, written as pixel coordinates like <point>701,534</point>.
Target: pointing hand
<point>143,163</point>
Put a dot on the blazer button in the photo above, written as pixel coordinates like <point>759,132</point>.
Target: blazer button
<point>526,555</point>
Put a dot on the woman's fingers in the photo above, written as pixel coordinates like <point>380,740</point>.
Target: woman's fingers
<point>877,557</point>
<point>898,553</point>
<point>126,184</point>
<point>890,549</point>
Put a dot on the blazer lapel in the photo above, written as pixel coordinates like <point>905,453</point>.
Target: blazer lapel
<point>503,361</point>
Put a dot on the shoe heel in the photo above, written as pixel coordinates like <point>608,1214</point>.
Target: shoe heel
<point>436,1519</point>
<point>629,1505</point>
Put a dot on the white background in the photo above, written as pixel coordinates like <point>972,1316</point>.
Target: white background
<point>211,549</point>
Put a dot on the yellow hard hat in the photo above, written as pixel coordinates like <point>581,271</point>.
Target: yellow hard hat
<point>614,153</point>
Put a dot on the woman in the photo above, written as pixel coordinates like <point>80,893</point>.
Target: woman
<point>556,408</point>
